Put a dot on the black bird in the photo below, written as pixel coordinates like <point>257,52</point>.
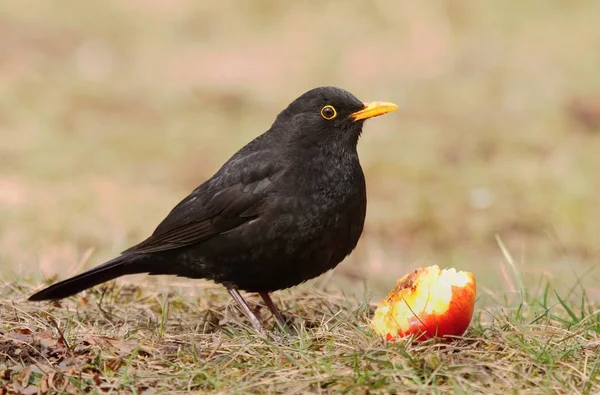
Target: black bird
<point>287,207</point>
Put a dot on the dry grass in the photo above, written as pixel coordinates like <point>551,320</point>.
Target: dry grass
<point>123,338</point>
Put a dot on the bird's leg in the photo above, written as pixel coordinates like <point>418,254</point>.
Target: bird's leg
<point>235,294</point>
<point>271,305</point>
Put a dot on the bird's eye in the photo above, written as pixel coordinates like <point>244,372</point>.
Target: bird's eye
<point>328,112</point>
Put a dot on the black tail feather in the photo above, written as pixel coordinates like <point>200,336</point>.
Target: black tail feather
<point>117,267</point>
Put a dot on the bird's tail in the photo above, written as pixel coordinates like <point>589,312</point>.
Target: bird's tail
<point>112,269</point>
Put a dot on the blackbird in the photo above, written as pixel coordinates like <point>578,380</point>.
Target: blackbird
<point>287,207</point>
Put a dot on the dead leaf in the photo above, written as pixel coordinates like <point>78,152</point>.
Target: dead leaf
<point>71,389</point>
<point>5,374</point>
<point>56,382</point>
<point>71,364</point>
<point>114,364</point>
<point>47,339</point>
<point>123,347</point>
<point>22,390</point>
<point>17,336</point>
<point>47,334</point>
<point>23,376</point>
<point>44,384</point>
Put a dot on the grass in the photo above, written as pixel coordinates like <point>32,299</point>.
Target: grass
<point>111,112</point>
<point>127,338</point>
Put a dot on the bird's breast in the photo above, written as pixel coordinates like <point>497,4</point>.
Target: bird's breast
<point>331,202</point>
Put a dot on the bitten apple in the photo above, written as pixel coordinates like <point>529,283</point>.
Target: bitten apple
<point>427,303</point>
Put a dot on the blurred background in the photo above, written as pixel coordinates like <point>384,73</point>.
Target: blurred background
<point>112,111</point>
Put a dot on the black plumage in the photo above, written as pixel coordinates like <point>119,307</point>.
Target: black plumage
<point>287,207</point>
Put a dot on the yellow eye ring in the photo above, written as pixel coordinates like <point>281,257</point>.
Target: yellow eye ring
<point>328,112</point>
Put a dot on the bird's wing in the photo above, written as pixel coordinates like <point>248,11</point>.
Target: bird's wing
<point>234,196</point>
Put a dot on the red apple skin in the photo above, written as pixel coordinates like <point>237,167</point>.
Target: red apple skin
<point>453,322</point>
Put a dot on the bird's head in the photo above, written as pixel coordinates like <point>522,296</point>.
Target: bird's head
<point>327,116</point>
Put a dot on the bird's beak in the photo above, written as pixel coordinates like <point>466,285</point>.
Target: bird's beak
<point>373,109</point>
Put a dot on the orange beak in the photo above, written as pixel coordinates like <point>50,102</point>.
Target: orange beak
<point>373,109</point>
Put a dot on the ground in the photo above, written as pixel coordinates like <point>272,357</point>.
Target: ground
<point>111,112</point>
<point>132,339</point>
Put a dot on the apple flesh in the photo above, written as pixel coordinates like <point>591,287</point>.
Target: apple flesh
<point>427,303</point>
